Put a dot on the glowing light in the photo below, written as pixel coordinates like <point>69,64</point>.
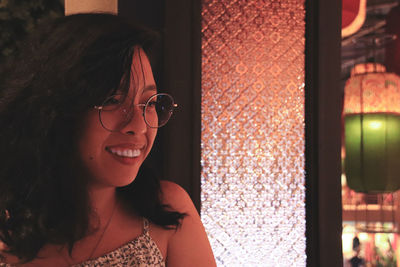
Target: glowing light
<point>375,124</point>
<point>347,240</point>
<point>383,241</point>
<point>343,179</point>
<point>364,237</point>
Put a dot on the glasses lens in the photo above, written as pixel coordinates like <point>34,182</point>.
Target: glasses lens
<point>158,110</point>
<point>114,115</point>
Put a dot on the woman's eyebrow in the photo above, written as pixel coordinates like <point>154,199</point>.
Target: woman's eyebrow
<point>149,88</point>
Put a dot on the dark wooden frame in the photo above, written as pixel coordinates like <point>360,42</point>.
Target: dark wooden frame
<point>323,101</point>
<point>182,66</point>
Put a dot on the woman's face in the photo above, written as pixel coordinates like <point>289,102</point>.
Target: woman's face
<point>113,158</point>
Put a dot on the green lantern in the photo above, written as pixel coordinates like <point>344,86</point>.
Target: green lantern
<point>372,130</point>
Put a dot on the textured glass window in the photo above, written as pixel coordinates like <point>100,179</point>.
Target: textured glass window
<point>253,194</point>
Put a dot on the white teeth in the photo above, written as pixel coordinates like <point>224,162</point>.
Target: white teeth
<point>129,153</point>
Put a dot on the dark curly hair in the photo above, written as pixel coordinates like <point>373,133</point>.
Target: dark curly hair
<point>68,66</point>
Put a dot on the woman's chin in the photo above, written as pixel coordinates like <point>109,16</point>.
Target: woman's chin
<point>114,181</point>
<point>125,182</point>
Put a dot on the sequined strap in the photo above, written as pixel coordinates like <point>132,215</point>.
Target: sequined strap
<point>146,226</point>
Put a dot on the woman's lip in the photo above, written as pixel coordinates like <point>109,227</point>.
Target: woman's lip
<point>126,146</point>
<point>124,160</point>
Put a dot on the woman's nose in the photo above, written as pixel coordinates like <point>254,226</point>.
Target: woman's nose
<point>136,123</point>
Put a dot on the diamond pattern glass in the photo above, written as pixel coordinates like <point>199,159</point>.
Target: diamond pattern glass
<point>252,143</point>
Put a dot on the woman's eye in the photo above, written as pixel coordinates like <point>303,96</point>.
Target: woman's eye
<point>112,101</point>
<point>152,104</point>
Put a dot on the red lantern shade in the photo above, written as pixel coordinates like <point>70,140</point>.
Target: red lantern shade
<point>372,129</point>
<point>353,16</point>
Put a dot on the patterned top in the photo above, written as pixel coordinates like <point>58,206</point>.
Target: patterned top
<point>140,252</point>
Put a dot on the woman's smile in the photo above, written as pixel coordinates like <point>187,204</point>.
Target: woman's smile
<point>129,153</point>
<point>126,153</point>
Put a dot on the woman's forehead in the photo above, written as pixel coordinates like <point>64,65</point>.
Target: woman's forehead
<point>142,79</point>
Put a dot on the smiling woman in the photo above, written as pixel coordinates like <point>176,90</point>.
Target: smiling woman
<point>113,157</point>
<point>79,112</point>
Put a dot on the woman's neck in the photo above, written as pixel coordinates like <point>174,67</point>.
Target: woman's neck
<point>103,201</point>
<point>104,204</point>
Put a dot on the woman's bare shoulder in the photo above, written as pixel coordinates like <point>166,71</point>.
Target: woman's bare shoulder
<point>182,251</point>
<point>169,186</point>
<point>176,197</point>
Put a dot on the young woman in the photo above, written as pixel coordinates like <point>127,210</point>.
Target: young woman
<point>79,112</point>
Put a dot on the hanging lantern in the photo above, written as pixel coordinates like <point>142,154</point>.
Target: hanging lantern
<point>372,129</point>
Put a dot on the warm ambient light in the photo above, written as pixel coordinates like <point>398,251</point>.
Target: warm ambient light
<point>252,157</point>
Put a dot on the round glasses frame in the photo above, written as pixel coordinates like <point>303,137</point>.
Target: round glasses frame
<point>143,106</point>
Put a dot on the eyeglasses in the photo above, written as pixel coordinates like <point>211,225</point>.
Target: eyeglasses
<point>115,113</point>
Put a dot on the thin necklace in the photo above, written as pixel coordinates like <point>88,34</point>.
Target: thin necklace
<point>98,242</point>
<point>104,231</point>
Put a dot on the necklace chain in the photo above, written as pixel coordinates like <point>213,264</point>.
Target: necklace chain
<point>102,234</point>
<point>98,242</point>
